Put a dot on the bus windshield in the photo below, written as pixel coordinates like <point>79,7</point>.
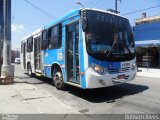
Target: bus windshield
<point>109,37</point>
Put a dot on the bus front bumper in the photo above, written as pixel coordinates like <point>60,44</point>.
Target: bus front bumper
<point>95,80</point>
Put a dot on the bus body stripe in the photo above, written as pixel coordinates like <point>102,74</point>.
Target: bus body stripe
<point>83,58</point>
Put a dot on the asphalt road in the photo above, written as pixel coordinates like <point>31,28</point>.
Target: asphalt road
<point>139,96</point>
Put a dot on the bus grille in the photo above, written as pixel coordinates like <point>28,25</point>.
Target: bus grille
<point>122,70</point>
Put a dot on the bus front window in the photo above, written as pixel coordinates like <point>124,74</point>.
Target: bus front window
<point>109,37</point>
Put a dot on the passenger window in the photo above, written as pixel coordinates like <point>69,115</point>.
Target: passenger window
<point>77,38</point>
<point>54,35</point>
<point>44,40</point>
<point>30,44</point>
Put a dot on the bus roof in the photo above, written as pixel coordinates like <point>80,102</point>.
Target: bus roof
<point>76,12</point>
<point>32,34</point>
<point>104,11</point>
<point>66,16</point>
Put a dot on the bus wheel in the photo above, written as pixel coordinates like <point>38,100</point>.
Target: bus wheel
<point>29,70</point>
<point>58,80</point>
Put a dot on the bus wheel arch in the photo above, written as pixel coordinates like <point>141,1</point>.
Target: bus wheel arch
<point>29,69</point>
<point>57,77</point>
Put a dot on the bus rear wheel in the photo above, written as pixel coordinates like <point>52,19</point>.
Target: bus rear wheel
<point>58,80</point>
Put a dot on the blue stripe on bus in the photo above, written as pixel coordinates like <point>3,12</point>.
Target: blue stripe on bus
<point>81,47</point>
<point>114,65</point>
<point>71,19</point>
<point>74,12</point>
<point>50,57</point>
<point>109,65</point>
<point>47,71</point>
<point>98,62</point>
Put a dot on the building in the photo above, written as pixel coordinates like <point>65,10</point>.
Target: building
<point>14,54</point>
<point>1,26</point>
<point>147,41</point>
<point>8,25</point>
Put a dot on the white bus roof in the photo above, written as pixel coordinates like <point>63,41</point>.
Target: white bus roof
<point>32,34</point>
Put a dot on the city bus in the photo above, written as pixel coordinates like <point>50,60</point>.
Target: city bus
<point>86,48</point>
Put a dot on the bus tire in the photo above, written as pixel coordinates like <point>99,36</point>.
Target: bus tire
<point>58,80</point>
<point>29,70</point>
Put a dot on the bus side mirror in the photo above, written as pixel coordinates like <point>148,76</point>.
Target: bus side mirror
<point>84,24</point>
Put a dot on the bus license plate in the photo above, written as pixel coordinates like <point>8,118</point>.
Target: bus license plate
<point>125,65</point>
<point>121,76</point>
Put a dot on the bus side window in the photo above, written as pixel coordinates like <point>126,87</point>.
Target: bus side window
<point>44,40</point>
<point>54,35</point>
<point>30,44</point>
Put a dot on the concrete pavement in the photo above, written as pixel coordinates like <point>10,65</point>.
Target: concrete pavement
<point>37,95</point>
<point>22,98</point>
<point>151,73</point>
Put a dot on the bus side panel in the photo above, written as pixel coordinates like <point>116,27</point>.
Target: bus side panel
<point>30,59</point>
<point>47,70</point>
<point>51,57</point>
<point>23,55</point>
<point>83,58</point>
<point>21,59</point>
<point>63,44</point>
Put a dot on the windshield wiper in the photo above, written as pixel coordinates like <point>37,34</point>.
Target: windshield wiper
<point>114,42</point>
<point>127,47</point>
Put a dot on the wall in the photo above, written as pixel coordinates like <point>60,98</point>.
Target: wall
<point>147,31</point>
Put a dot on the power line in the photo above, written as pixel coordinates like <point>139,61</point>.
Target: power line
<point>142,10</point>
<point>39,9</point>
<point>38,24</point>
<point>101,4</point>
<point>90,3</point>
<point>82,1</point>
<point>95,3</point>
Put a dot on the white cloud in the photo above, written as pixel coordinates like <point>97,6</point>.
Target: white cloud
<point>17,28</point>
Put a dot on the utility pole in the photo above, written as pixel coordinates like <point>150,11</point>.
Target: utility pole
<point>116,6</point>
<point>116,2</point>
<point>7,70</point>
<point>1,45</point>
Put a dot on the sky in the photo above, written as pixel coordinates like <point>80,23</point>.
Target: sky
<point>26,19</point>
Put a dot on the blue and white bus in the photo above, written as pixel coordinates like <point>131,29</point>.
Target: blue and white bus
<point>87,48</point>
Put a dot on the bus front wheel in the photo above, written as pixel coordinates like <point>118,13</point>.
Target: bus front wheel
<point>58,80</point>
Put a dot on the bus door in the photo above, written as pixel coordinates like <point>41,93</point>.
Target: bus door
<point>24,55</point>
<point>37,53</point>
<point>72,48</point>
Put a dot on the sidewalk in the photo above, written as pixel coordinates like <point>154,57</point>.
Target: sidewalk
<point>21,98</point>
<point>153,73</point>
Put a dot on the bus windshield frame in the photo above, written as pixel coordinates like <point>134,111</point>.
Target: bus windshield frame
<point>109,37</point>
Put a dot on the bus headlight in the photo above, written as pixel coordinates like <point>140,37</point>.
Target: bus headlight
<point>99,69</point>
<point>133,66</point>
